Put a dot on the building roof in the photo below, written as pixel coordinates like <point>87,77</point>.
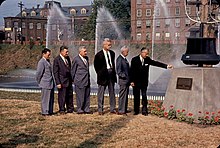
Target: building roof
<point>65,10</point>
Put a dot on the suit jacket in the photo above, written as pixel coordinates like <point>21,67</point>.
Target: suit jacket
<point>62,72</point>
<point>80,72</point>
<point>139,73</point>
<point>122,69</point>
<point>44,75</point>
<point>101,68</point>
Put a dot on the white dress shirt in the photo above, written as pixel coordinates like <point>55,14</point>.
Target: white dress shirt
<point>106,58</point>
<point>83,59</point>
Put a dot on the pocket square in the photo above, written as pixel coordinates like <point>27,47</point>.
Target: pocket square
<point>145,64</point>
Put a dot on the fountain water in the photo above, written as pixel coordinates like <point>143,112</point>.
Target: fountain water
<point>106,27</point>
<point>156,72</point>
<point>59,27</point>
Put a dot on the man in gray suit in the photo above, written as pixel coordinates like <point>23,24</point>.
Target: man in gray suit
<point>81,79</point>
<point>122,69</point>
<point>45,80</point>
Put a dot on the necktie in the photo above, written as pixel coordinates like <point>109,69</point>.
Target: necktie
<point>84,60</point>
<point>109,60</point>
<point>48,60</point>
<point>142,62</point>
<point>66,62</point>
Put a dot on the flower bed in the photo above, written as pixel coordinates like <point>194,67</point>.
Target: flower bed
<point>155,108</point>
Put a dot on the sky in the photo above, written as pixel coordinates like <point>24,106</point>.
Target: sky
<point>10,7</point>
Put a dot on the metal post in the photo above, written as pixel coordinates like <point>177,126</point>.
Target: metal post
<point>21,6</point>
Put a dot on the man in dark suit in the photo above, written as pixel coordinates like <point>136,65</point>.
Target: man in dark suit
<point>45,81</point>
<point>81,80</point>
<point>104,64</point>
<point>139,78</point>
<point>122,68</point>
<point>62,74</point>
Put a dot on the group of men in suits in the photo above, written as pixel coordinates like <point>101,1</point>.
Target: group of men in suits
<point>64,74</point>
<point>135,75</point>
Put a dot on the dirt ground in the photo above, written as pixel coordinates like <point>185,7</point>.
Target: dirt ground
<point>21,125</point>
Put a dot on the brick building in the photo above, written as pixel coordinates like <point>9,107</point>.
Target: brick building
<point>168,17</point>
<point>32,23</point>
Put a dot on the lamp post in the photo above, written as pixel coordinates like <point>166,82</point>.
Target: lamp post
<point>21,6</point>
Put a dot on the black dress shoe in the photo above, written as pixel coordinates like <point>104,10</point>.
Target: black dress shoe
<point>113,112</point>
<point>135,113</point>
<point>122,114</point>
<point>145,114</point>
<point>45,114</point>
<point>88,112</point>
<point>70,111</point>
<point>80,112</point>
<point>61,113</point>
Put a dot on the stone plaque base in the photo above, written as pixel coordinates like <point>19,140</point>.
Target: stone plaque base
<point>204,95</point>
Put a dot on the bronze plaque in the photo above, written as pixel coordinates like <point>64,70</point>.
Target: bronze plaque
<point>184,83</point>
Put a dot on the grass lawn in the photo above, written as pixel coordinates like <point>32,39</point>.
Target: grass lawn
<point>21,125</point>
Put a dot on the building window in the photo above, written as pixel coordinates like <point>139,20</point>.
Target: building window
<point>187,34</point>
<point>138,23</point>
<point>38,25</point>
<point>148,1</point>
<point>15,24</point>
<point>139,13</point>
<point>187,22</point>
<point>157,12</point>
<point>169,11</point>
<point>177,35</point>
<point>31,25</point>
<point>177,22</point>
<point>83,11</point>
<point>167,22</point>
<point>54,27</point>
<point>167,35</point>
<point>138,1</point>
<point>69,27</point>
<point>24,14</point>
<point>73,12</point>
<point>157,36</point>
<point>148,12</point>
<point>177,11</point>
<point>148,36</point>
<point>157,23</point>
<point>23,25</point>
<point>148,23</point>
<point>45,13</point>
<point>45,26</point>
<point>33,13</point>
<point>188,10</point>
<point>138,36</point>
